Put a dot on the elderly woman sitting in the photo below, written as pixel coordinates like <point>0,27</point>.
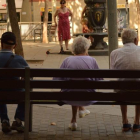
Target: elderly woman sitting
<point>80,60</point>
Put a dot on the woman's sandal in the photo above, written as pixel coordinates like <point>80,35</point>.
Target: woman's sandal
<point>136,128</point>
<point>126,127</point>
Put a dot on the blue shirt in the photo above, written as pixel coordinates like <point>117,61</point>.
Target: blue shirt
<point>17,62</point>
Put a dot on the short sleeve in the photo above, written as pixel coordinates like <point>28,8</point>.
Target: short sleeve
<point>18,62</point>
<point>96,65</point>
<point>63,65</point>
<point>112,60</point>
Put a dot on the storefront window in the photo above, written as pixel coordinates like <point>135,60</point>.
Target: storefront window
<point>49,17</point>
<point>3,17</point>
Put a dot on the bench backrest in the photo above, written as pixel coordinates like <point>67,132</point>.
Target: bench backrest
<point>105,87</point>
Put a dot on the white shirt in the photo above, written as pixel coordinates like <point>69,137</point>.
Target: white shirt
<point>127,57</point>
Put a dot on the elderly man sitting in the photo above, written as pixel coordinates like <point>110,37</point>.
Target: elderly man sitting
<point>10,60</point>
<point>127,57</point>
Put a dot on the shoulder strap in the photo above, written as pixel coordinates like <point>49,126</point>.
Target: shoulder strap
<point>9,61</point>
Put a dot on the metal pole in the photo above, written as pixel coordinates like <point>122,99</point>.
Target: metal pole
<point>112,25</point>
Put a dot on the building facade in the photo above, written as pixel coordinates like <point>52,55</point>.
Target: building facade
<point>33,10</point>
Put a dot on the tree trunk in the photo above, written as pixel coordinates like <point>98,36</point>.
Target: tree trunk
<point>45,23</point>
<point>53,9</point>
<point>138,17</point>
<point>15,26</point>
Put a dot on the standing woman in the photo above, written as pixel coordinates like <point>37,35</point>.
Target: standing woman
<point>63,24</point>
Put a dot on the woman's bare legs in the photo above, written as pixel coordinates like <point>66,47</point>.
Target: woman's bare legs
<point>137,115</point>
<point>74,113</point>
<point>66,44</point>
<point>126,125</point>
<point>61,44</point>
<point>124,114</point>
<point>61,47</point>
<point>83,112</point>
<point>81,108</point>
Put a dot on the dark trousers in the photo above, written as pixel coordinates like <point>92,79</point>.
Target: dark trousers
<point>20,112</point>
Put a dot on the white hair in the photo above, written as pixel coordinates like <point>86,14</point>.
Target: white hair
<point>128,36</point>
<point>80,45</point>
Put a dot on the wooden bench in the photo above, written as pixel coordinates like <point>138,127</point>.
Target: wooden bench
<point>104,93</point>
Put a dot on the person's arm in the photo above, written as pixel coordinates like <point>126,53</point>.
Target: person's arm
<point>112,60</point>
<point>96,67</point>
<point>55,15</point>
<point>71,14</point>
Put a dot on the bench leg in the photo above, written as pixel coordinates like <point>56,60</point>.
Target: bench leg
<point>27,102</point>
<point>31,118</point>
<point>26,131</point>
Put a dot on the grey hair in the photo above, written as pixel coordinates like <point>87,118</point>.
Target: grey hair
<point>80,45</point>
<point>128,36</point>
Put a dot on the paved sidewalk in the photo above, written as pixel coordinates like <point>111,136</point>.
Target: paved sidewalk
<point>104,122</point>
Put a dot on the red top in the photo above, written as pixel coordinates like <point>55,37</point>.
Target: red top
<point>64,26</point>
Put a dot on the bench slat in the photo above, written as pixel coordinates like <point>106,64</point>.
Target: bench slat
<point>12,84</point>
<point>12,72</point>
<point>81,84</point>
<point>104,73</point>
<point>48,84</point>
<point>85,96</point>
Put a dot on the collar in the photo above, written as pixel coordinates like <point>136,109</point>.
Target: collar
<point>5,50</point>
<point>130,45</point>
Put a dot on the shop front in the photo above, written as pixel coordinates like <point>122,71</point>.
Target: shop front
<point>3,10</point>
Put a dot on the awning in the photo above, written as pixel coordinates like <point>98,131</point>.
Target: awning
<point>17,2</point>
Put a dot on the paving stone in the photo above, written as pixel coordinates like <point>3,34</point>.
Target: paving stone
<point>113,138</point>
<point>121,138</point>
<point>130,138</point>
<point>104,138</point>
